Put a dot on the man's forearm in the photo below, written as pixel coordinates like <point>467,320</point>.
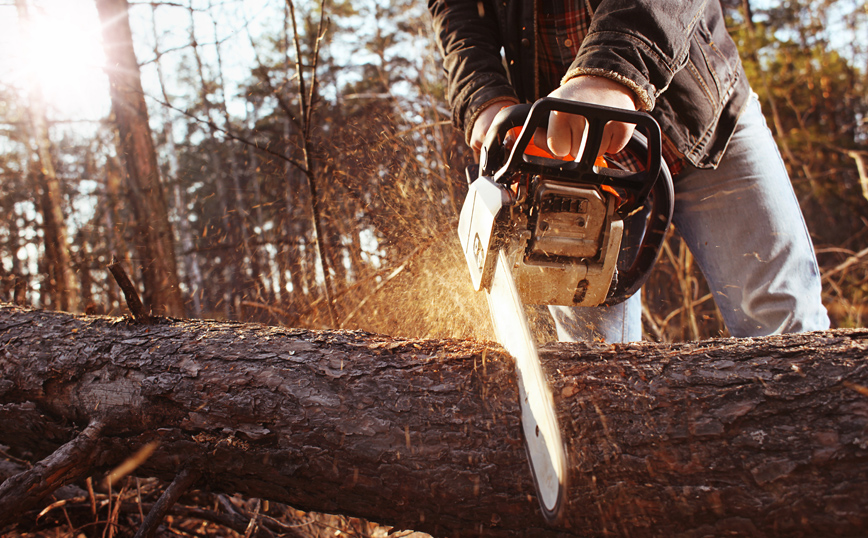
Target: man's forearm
<point>469,41</point>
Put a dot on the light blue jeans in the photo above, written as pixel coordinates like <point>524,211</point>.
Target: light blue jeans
<point>744,227</point>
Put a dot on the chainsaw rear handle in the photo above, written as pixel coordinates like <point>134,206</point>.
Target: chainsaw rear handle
<point>495,163</point>
<point>661,205</point>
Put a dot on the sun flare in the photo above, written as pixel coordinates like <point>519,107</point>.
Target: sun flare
<point>59,51</point>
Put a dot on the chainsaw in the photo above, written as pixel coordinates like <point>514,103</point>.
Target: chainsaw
<point>538,230</point>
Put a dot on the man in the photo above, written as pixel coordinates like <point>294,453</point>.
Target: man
<point>734,205</point>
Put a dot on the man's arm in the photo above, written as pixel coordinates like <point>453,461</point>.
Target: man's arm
<point>632,51</point>
<point>469,40</point>
<point>641,44</point>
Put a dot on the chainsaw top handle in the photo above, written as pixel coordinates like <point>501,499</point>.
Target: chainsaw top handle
<point>496,163</point>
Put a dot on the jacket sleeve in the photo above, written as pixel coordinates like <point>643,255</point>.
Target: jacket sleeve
<point>469,39</point>
<point>682,48</point>
<point>642,44</point>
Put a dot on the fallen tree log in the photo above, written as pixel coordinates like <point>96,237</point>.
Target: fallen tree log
<point>752,437</point>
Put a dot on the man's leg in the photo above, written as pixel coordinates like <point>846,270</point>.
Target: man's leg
<point>743,224</point>
<point>619,323</point>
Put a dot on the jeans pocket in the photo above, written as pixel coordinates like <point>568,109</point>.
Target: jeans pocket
<point>713,64</point>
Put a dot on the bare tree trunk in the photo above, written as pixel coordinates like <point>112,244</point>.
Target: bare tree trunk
<point>293,223</point>
<point>51,292</point>
<point>748,437</point>
<point>14,285</point>
<point>189,257</point>
<point>59,266</point>
<point>9,279</point>
<point>114,227</point>
<point>18,278</point>
<point>295,232</point>
<point>232,268</point>
<point>266,259</point>
<point>305,100</point>
<point>155,238</point>
<point>249,262</point>
<point>88,306</point>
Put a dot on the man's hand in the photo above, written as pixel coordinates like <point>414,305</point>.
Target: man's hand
<point>483,123</point>
<point>566,132</point>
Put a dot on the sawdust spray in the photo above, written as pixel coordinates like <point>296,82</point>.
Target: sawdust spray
<point>432,297</point>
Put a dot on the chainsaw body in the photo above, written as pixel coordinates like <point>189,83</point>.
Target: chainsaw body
<point>565,242</point>
<point>562,223</point>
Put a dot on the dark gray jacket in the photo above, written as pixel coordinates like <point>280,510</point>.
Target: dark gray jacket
<point>676,55</point>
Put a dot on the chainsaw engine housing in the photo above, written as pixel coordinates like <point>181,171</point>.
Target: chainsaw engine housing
<point>570,255</point>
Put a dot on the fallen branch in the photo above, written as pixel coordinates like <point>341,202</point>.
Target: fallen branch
<point>134,302</point>
<point>185,479</point>
<point>71,461</point>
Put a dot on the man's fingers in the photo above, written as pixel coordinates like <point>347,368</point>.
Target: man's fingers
<point>565,134</point>
<point>483,123</point>
<point>616,135</point>
<point>579,134</point>
<point>539,139</point>
<point>558,136</point>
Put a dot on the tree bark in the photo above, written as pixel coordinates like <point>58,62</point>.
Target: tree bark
<point>155,241</point>
<point>750,437</point>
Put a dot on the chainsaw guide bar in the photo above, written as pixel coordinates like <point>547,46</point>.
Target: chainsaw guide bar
<point>540,230</point>
<point>542,435</point>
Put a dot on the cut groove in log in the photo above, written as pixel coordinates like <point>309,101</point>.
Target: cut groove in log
<point>765,436</point>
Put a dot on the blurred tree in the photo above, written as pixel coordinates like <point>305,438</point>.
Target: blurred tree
<point>61,285</point>
<point>190,259</point>
<point>154,236</point>
<point>13,280</point>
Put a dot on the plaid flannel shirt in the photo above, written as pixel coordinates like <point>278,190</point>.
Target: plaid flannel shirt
<point>561,27</point>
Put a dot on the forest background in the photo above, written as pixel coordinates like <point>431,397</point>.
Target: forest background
<point>308,174</point>
<point>294,164</point>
